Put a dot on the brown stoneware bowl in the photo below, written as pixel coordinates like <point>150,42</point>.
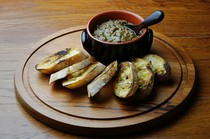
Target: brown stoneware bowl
<point>106,52</point>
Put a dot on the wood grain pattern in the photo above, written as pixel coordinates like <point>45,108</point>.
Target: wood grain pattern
<point>23,23</point>
<point>72,111</point>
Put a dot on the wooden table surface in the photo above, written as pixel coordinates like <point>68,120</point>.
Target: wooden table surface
<point>23,23</point>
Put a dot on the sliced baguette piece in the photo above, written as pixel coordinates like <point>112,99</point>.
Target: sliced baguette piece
<point>102,79</point>
<point>69,70</point>
<point>160,66</point>
<point>83,76</point>
<point>145,76</point>
<point>126,82</point>
<point>60,60</point>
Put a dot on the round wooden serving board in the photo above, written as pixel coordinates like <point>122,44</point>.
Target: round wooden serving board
<point>105,114</point>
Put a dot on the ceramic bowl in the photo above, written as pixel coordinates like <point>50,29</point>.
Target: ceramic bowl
<point>106,52</point>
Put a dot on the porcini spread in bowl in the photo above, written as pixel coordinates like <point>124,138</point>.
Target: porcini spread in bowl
<point>114,31</point>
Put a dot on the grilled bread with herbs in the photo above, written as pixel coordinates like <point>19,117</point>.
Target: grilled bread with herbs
<point>145,77</point>
<point>126,82</point>
<point>60,60</point>
<point>69,70</point>
<point>160,66</point>
<point>102,79</point>
<point>83,76</point>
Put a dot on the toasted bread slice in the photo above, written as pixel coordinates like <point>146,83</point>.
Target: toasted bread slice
<point>69,70</point>
<point>160,66</point>
<point>60,60</point>
<point>126,82</point>
<point>83,76</point>
<point>145,76</point>
<point>102,79</point>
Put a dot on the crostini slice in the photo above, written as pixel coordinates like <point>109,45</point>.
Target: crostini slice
<point>126,82</point>
<point>145,76</point>
<point>102,79</point>
<point>60,60</point>
<point>160,66</point>
<point>69,70</point>
<point>83,76</point>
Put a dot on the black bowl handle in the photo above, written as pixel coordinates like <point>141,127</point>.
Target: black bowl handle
<point>86,42</point>
<point>149,40</point>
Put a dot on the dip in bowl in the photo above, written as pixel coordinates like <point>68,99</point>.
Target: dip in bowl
<point>114,31</point>
<point>106,46</point>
